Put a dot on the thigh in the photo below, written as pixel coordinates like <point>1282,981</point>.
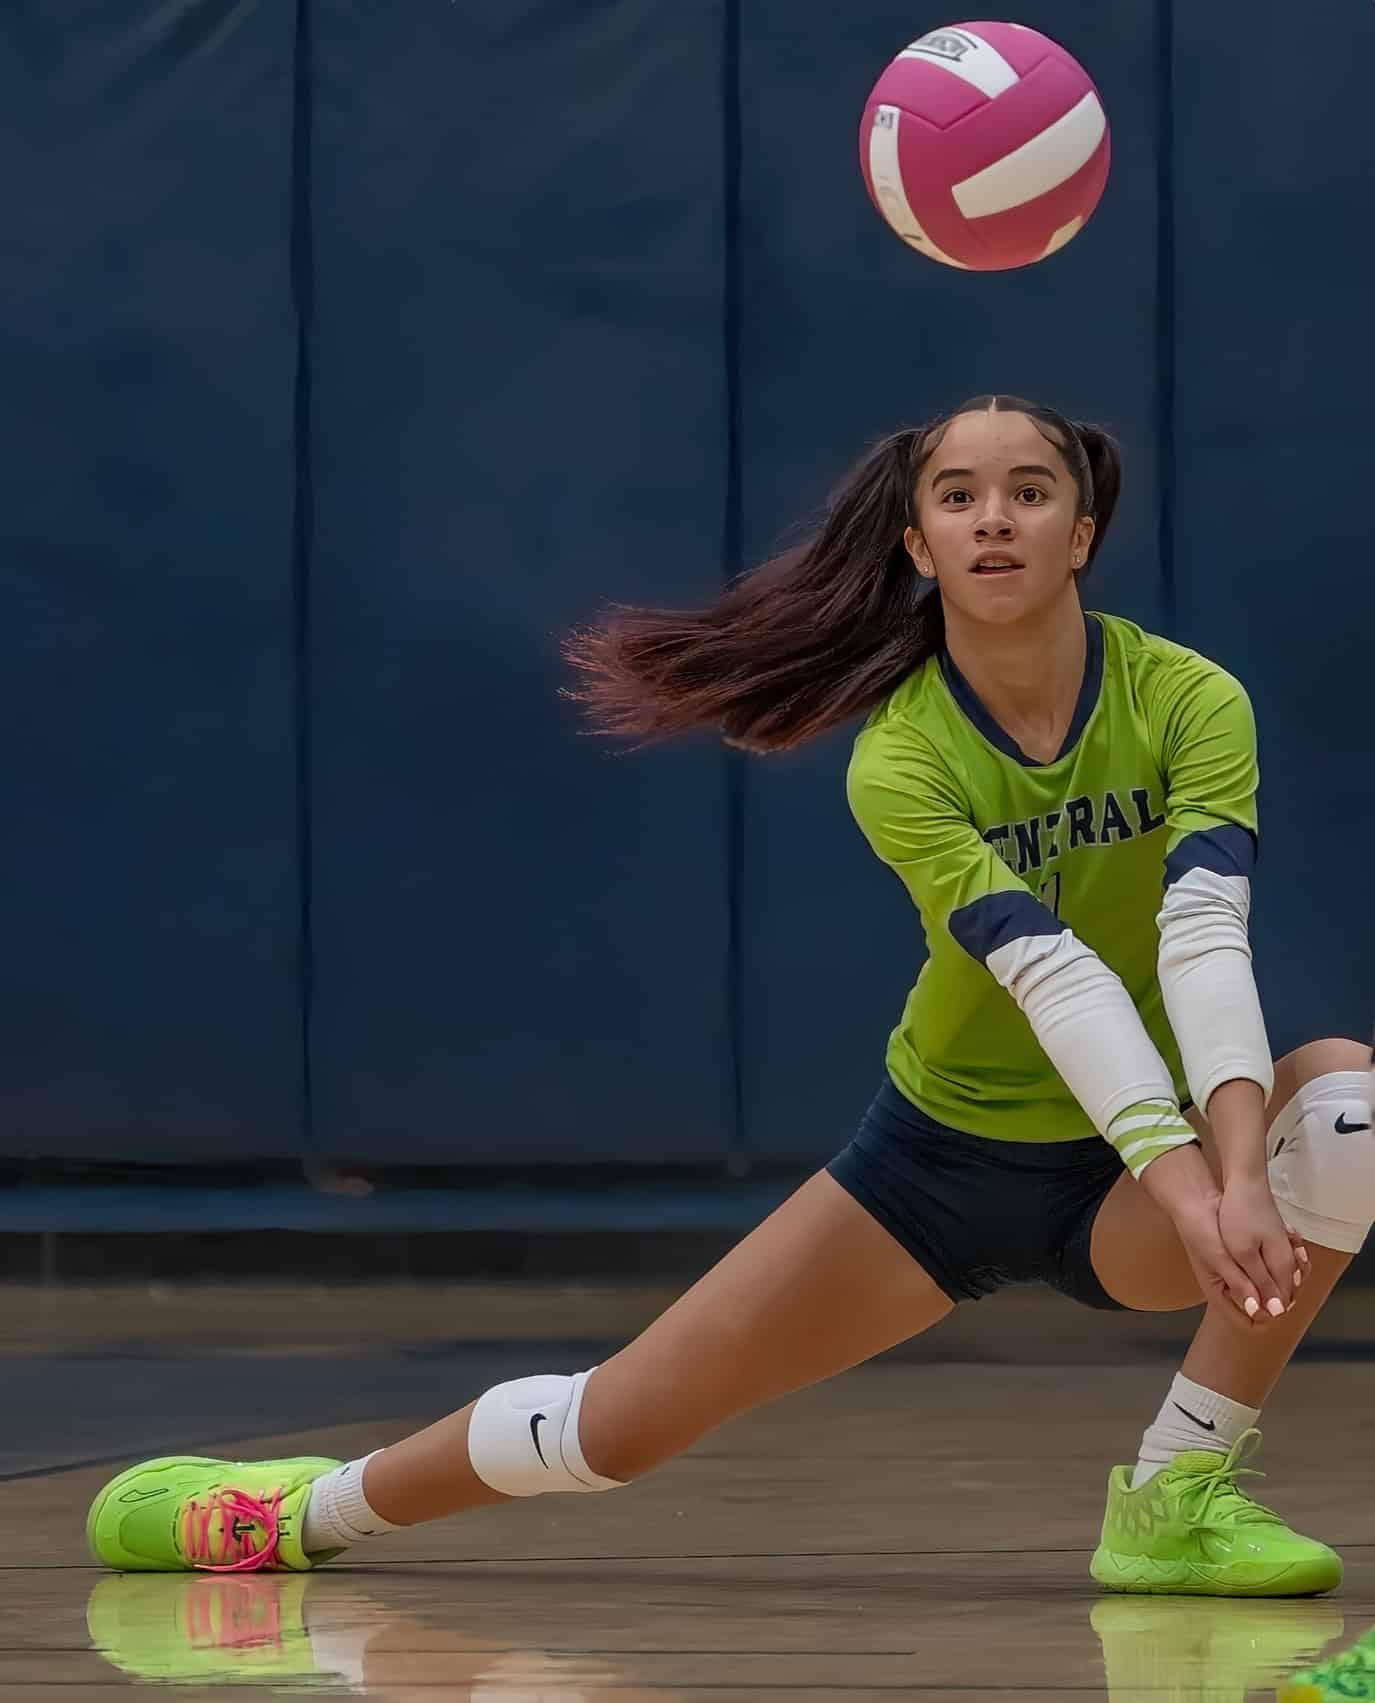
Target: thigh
<point>818,1287</point>
<point>1137,1254</point>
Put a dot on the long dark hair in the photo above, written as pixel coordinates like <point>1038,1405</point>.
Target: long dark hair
<point>821,633</point>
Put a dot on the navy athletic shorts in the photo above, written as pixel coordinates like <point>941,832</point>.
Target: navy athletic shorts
<point>978,1214</point>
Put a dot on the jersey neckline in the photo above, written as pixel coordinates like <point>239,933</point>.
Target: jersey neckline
<point>969,702</point>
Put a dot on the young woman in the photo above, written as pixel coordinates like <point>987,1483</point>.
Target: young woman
<point>1080,1089</point>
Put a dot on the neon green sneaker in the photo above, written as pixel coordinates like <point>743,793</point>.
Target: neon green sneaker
<point>183,1513</point>
<point>1350,1674</point>
<point>211,1629</point>
<point>1191,1532</point>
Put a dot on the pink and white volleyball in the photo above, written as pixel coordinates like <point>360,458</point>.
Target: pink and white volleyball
<point>985,146</point>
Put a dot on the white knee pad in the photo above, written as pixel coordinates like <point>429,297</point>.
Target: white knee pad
<point>1322,1161</point>
<point>523,1437</point>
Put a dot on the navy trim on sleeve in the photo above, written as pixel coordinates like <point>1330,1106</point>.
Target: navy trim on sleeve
<point>1225,850</point>
<point>997,919</point>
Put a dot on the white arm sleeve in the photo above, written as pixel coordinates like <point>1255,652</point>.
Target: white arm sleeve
<point>1208,985</point>
<point>1086,1024</point>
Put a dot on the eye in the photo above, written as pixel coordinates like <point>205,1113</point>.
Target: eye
<point>1034,495</point>
<point>956,491</point>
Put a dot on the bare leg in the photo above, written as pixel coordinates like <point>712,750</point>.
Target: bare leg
<point>1140,1261</point>
<point>1246,1365</point>
<point>818,1287</point>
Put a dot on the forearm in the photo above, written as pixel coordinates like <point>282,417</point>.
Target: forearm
<point>1092,1033</point>
<point>1236,1116</point>
<point>1086,1025</point>
<point>1211,1000</point>
<point>1210,996</point>
<point>1180,1182</point>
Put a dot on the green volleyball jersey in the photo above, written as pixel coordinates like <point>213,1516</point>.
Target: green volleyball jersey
<point>1157,776</point>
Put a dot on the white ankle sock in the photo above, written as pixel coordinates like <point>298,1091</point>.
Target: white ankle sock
<point>338,1513</point>
<point>1191,1417</point>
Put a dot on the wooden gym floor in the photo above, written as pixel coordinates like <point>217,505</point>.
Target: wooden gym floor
<point>919,1528</point>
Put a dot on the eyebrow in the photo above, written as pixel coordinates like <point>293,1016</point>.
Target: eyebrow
<point>968,473</point>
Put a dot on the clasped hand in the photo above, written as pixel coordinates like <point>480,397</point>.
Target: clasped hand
<point>1241,1250</point>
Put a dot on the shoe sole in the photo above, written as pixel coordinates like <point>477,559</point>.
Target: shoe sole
<point>1143,1576</point>
<point>117,1484</point>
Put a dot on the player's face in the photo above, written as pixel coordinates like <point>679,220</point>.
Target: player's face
<point>999,524</point>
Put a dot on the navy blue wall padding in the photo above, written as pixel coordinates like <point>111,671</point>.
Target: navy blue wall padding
<point>847,335</point>
<point>518,407</point>
<point>1276,388</point>
<point>148,905</point>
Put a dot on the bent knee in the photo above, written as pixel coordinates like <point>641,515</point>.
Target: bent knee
<point>1321,1150</point>
<point>1314,1059</point>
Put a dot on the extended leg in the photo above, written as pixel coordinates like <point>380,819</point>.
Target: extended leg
<point>818,1287</point>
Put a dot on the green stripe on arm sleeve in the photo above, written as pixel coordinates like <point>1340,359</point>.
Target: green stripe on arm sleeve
<point>1144,1131</point>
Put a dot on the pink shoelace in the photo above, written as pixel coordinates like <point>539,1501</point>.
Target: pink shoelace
<point>233,1507</point>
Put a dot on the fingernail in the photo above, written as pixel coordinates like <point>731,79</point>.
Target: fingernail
<point>1298,1278</point>
<point>1303,1255</point>
<point>1252,1306</point>
<point>1275,1307</point>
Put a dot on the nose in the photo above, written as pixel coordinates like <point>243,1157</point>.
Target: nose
<point>994,522</point>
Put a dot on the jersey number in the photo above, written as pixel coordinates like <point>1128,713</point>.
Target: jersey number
<point>1050,893</point>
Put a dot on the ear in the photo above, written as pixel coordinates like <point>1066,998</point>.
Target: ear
<point>915,546</point>
<point>1080,540</point>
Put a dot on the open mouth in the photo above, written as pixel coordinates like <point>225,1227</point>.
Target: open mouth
<point>993,566</point>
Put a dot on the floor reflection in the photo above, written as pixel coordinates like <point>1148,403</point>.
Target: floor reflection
<point>1209,1650</point>
<point>303,1633</point>
<point>327,1635</point>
